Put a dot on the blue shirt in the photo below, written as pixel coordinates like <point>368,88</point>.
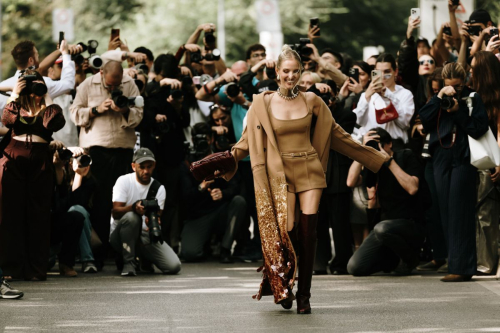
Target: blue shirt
<point>238,113</point>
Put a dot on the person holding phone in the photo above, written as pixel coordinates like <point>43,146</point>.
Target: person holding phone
<point>381,93</point>
<point>449,125</point>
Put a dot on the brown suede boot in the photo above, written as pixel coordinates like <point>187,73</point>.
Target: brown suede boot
<point>307,251</point>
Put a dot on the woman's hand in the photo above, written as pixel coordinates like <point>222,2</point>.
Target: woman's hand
<point>160,118</point>
<point>220,130</point>
<point>64,47</point>
<point>20,85</point>
<point>493,44</point>
<point>173,83</point>
<point>495,177</point>
<point>323,88</point>
<point>369,136</point>
<point>448,91</point>
<point>354,86</point>
<point>464,32</point>
<point>55,145</point>
<point>374,87</point>
<point>344,91</point>
<point>77,151</point>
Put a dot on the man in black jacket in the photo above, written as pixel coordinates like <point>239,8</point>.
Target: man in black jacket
<point>335,201</point>
<point>399,189</point>
<point>165,117</point>
<point>214,206</point>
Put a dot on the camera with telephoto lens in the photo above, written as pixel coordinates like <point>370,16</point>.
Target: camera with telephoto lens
<point>65,154</point>
<point>197,57</point>
<point>448,102</point>
<point>122,101</point>
<point>142,66</point>
<point>271,73</point>
<point>79,58</point>
<point>151,207</point>
<point>233,89</point>
<point>32,87</point>
<point>301,48</point>
<point>95,60</point>
<point>83,160</point>
<point>210,40</point>
<point>199,149</point>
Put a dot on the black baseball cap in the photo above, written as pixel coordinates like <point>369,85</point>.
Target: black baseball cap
<point>480,16</point>
<point>336,54</point>
<point>143,155</point>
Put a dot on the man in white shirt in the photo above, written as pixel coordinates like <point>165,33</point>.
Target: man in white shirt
<point>128,216</point>
<point>26,55</point>
<point>380,94</point>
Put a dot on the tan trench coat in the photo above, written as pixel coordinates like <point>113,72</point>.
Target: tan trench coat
<point>258,140</point>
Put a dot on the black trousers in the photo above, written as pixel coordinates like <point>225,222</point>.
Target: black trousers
<point>248,193</point>
<point>390,241</point>
<point>169,176</point>
<point>434,227</point>
<point>66,230</point>
<point>457,194</point>
<point>334,212</point>
<point>107,165</point>
<point>225,220</point>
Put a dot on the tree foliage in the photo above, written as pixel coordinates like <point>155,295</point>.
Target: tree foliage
<point>346,25</point>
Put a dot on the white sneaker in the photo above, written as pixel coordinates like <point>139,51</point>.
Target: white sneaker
<point>6,291</point>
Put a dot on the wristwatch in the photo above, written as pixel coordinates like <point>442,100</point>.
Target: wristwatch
<point>94,111</point>
<point>388,163</point>
<point>201,189</point>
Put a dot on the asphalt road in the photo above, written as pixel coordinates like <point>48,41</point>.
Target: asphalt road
<point>211,297</point>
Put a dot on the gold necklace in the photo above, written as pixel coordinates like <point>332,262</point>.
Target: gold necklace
<point>288,94</point>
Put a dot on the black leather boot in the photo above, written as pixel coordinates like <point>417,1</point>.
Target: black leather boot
<point>307,250</point>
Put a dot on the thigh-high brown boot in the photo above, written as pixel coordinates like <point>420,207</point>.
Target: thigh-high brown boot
<point>307,249</point>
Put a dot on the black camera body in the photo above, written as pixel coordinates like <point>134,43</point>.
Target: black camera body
<point>197,57</point>
<point>199,149</point>
<point>222,142</point>
<point>271,73</point>
<point>448,102</point>
<point>122,101</point>
<point>233,89</point>
<point>301,48</point>
<point>32,87</point>
<point>151,207</point>
<point>65,155</point>
<point>210,39</point>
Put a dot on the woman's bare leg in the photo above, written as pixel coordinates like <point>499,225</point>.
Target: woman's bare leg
<point>309,201</point>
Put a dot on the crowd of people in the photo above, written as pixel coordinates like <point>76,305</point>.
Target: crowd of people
<point>96,152</point>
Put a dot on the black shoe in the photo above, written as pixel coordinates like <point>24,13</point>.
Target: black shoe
<point>404,268</point>
<point>225,256</point>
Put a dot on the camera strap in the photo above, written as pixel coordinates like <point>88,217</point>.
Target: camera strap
<point>153,190</point>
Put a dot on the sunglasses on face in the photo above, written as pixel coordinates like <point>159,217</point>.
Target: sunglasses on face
<point>429,61</point>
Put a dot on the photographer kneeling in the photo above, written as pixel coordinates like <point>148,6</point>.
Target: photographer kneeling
<point>138,200</point>
<point>218,208</point>
<point>398,187</point>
